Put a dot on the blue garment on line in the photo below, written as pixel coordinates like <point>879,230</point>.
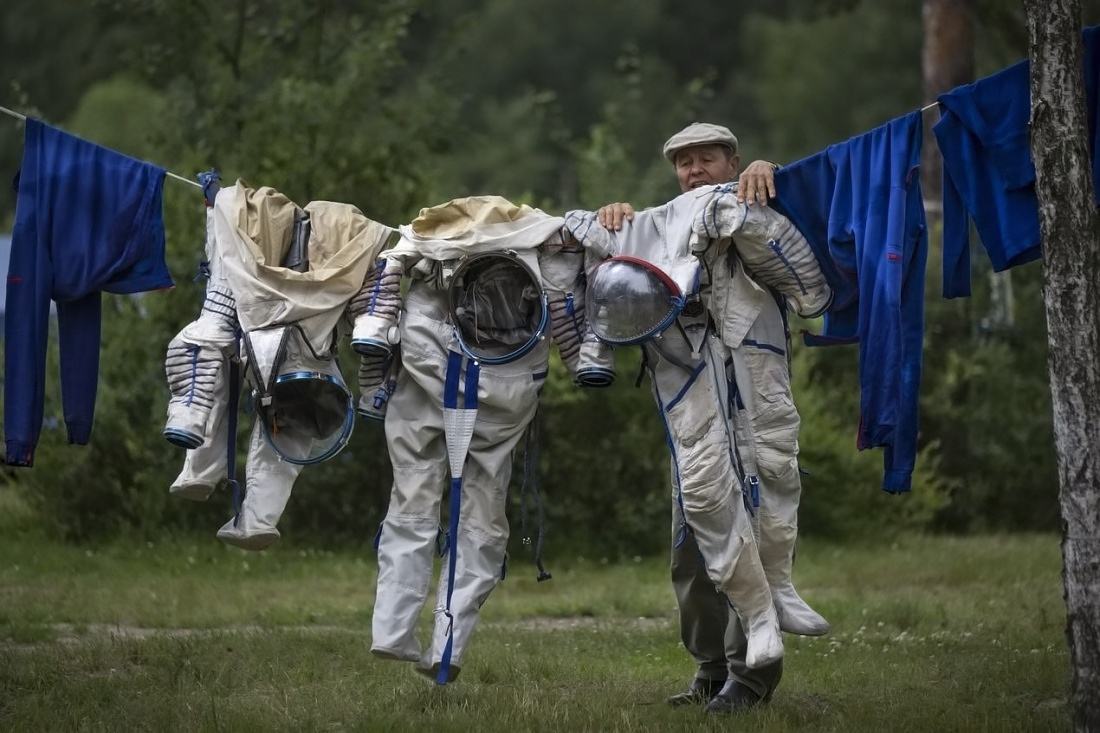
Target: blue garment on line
<point>859,205</point>
<point>87,219</point>
<point>988,173</point>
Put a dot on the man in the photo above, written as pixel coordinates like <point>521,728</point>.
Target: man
<point>704,155</point>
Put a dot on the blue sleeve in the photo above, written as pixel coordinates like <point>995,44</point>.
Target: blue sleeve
<point>873,200</point>
<point>989,176</point>
<point>882,199</point>
<point>956,240</point>
<point>805,195</point>
<point>900,456</point>
<point>78,325</point>
<point>27,317</point>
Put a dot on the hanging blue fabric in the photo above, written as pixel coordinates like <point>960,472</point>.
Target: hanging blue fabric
<point>988,173</point>
<point>88,220</point>
<point>859,205</point>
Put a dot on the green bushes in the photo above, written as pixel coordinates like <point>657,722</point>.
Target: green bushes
<point>393,109</point>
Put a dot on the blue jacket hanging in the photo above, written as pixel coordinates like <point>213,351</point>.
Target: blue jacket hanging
<point>988,174</point>
<point>87,219</point>
<point>859,205</point>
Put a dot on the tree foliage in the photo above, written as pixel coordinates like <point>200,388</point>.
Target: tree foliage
<point>399,104</point>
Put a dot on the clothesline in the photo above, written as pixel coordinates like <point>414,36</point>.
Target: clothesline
<point>19,116</point>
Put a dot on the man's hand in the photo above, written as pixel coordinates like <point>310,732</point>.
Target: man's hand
<point>612,216</point>
<point>757,183</point>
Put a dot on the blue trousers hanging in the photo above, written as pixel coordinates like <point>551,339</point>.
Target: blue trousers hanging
<point>988,174</point>
<point>859,205</point>
<point>87,220</point>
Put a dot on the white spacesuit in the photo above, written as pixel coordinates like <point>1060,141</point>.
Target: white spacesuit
<point>280,279</point>
<point>484,274</point>
<point>675,282</point>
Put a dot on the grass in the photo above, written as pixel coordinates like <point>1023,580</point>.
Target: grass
<point>929,633</point>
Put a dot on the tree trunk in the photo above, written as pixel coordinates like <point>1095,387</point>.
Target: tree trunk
<point>947,60</point>
<point>1070,229</point>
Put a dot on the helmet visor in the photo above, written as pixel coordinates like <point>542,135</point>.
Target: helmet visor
<point>309,417</point>
<point>630,301</point>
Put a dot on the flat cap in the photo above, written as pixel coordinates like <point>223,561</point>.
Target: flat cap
<point>699,133</point>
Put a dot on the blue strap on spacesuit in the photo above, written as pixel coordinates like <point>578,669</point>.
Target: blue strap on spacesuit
<point>687,385</point>
<point>571,311</point>
<point>452,552</point>
<point>750,483</point>
<point>450,401</point>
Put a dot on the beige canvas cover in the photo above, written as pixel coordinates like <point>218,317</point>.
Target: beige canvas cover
<point>254,228</point>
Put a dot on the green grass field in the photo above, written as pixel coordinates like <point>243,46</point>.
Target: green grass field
<point>929,634</point>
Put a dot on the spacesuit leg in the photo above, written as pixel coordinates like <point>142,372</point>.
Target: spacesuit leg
<point>418,453</point>
<point>693,405</point>
<point>507,402</point>
<point>771,420</point>
<point>268,483</point>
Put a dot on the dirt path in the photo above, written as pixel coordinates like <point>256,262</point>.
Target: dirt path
<point>74,634</point>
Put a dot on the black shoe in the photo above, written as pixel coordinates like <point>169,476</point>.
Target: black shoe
<point>734,697</point>
<point>700,692</point>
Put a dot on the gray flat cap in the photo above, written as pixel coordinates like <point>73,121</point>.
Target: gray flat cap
<point>699,133</point>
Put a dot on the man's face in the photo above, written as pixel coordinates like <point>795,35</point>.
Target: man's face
<point>704,165</point>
